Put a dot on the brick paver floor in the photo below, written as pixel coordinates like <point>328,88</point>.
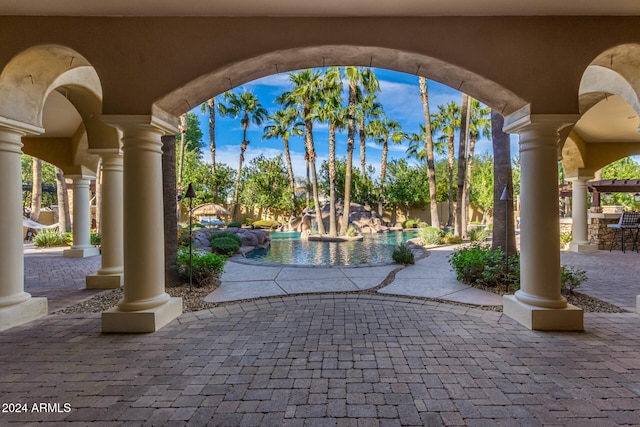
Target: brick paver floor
<point>325,360</point>
<point>317,360</point>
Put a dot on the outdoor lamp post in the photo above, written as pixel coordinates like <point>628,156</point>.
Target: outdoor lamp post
<point>190,194</point>
<point>636,197</point>
<point>506,197</point>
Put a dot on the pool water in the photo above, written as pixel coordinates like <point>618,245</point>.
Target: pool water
<point>287,248</point>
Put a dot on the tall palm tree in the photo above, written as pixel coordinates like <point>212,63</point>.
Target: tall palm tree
<point>504,235</point>
<point>368,108</point>
<point>479,125</point>
<point>429,155</point>
<point>285,125</point>
<point>36,188</point>
<point>361,80</point>
<point>383,130</point>
<point>461,206</point>
<point>182,127</point>
<point>330,111</point>
<point>306,85</point>
<point>64,216</point>
<point>447,121</point>
<point>247,106</point>
<point>210,105</point>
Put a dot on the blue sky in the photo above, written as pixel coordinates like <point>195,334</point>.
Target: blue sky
<point>399,96</point>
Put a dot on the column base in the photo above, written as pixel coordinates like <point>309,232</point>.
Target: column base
<point>138,322</point>
<point>105,281</point>
<point>81,253</point>
<point>583,247</point>
<point>535,318</point>
<point>18,314</point>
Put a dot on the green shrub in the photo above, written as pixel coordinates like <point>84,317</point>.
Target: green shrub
<point>350,231</point>
<point>95,238</point>
<point>183,237</point>
<point>410,223</point>
<point>234,225</point>
<point>403,255</point>
<point>430,236</point>
<point>571,278</point>
<point>422,224</point>
<point>565,239</point>
<point>48,237</point>
<point>206,266</point>
<point>68,238</point>
<point>452,239</point>
<point>247,220</point>
<point>197,225</point>
<point>227,234</point>
<point>480,265</point>
<point>479,234</point>
<point>267,224</point>
<point>224,246</point>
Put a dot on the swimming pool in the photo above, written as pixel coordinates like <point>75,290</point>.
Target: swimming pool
<point>287,248</point>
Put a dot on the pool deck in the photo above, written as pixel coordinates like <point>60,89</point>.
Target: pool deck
<point>429,277</point>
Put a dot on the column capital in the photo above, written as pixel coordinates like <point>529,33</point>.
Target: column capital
<point>521,122</point>
<point>139,122</point>
<point>7,124</point>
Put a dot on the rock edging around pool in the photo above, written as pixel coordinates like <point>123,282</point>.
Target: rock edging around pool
<point>251,239</point>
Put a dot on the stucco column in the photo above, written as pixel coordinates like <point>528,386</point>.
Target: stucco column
<point>111,273</point>
<point>146,307</point>
<point>579,216</point>
<point>539,304</point>
<point>81,247</point>
<point>16,305</point>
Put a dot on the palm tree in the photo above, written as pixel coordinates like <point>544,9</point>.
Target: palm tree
<point>183,144</point>
<point>461,206</point>
<point>211,106</point>
<point>331,111</point>
<point>64,216</point>
<point>247,106</point>
<point>285,125</point>
<point>447,121</point>
<point>368,108</point>
<point>36,188</point>
<point>504,235</point>
<point>360,80</point>
<point>383,130</point>
<point>480,124</point>
<point>429,155</point>
<point>306,85</point>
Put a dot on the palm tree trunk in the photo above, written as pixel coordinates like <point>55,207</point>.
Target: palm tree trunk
<point>351,136</point>
<point>292,183</point>
<point>467,185</point>
<point>36,188</point>
<point>503,225</point>
<point>450,162</point>
<point>236,194</point>
<point>169,208</point>
<point>431,168</point>
<point>333,229</point>
<point>314,178</point>
<point>64,218</point>
<point>183,145</point>
<point>461,205</point>
<point>363,150</point>
<point>212,134</point>
<point>383,174</point>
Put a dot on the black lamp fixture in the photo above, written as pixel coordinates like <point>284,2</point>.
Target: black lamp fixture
<point>190,194</point>
<point>636,197</point>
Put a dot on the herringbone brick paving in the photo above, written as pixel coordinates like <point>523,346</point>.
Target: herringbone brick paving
<point>316,360</point>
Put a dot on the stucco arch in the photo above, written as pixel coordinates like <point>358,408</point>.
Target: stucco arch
<point>220,80</point>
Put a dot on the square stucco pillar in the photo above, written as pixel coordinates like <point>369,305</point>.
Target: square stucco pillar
<point>539,304</point>
<point>146,307</point>
<point>16,305</point>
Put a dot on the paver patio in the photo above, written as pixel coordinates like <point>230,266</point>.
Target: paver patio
<point>334,359</point>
